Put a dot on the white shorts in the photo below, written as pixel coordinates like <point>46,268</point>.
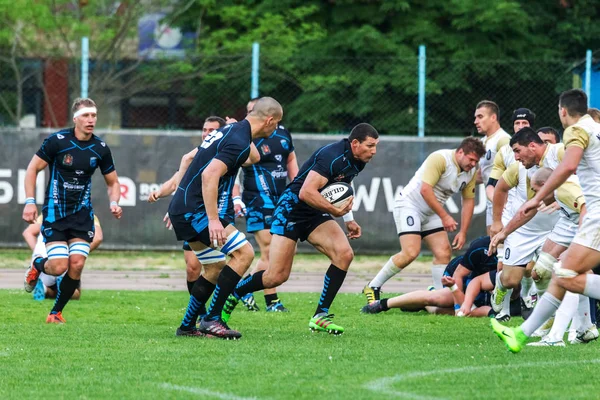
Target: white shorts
<point>588,234</point>
<point>409,219</point>
<point>564,231</point>
<point>521,246</point>
<point>488,212</point>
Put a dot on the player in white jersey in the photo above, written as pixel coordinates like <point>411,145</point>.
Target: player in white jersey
<point>520,247</point>
<point>420,215</point>
<point>582,155</point>
<point>487,115</point>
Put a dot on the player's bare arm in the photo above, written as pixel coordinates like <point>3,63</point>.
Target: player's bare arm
<point>35,166</point>
<point>210,188</point>
<point>114,193</point>
<point>448,222</point>
<point>311,196</point>
<point>565,169</point>
<point>499,201</point>
<point>459,274</point>
<point>254,156</point>
<point>292,166</point>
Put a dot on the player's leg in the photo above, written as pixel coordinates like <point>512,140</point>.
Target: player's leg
<point>570,275</point>
<point>263,239</point>
<point>55,263</point>
<point>408,227</point>
<point>193,267</point>
<point>413,301</point>
<point>79,249</point>
<point>439,244</point>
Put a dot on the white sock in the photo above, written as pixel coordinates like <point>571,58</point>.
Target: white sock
<point>499,284</point>
<point>384,274</point>
<point>564,314</point>
<point>506,302</point>
<point>526,284</point>
<point>592,286</point>
<point>583,317</point>
<point>543,310</point>
<point>437,271</point>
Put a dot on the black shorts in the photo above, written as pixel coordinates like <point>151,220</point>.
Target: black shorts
<point>193,228</point>
<point>259,210</point>
<point>295,224</point>
<point>75,226</point>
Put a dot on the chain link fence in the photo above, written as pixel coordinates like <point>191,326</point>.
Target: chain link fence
<point>319,95</point>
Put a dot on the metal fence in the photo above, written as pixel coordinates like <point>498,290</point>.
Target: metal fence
<point>319,95</point>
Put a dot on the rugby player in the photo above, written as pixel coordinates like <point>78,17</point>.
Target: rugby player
<point>420,215</point>
<point>72,155</point>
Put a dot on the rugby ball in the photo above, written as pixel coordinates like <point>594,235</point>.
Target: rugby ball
<point>339,194</point>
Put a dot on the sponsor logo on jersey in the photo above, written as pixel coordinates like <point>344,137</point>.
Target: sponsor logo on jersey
<point>488,155</point>
<point>93,162</point>
<point>339,177</point>
<point>79,172</point>
<point>265,149</point>
<point>285,144</point>
<point>278,157</point>
<point>58,135</point>
<point>103,144</point>
<point>462,186</point>
<point>67,160</point>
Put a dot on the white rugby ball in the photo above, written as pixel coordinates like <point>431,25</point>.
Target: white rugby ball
<point>339,194</point>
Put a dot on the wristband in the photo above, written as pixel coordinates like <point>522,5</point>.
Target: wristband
<point>29,200</point>
<point>113,203</point>
<point>348,217</point>
<point>454,288</point>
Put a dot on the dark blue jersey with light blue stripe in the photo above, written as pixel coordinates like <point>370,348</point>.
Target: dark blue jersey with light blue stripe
<point>475,259</point>
<point>72,163</point>
<point>334,162</point>
<point>229,144</point>
<point>268,177</point>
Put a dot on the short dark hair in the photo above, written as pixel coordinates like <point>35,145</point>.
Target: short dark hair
<point>362,131</point>
<point>525,136</point>
<point>471,145</point>
<point>490,105</point>
<point>214,118</point>
<point>575,101</point>
<point>550,130</point>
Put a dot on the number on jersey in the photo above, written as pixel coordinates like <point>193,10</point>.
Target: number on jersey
<point>211,138</point>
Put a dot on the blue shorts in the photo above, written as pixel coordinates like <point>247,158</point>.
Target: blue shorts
<point>193,227</point>
<point>258,218</point>
<point>294,224</point>
<point>75,226</point>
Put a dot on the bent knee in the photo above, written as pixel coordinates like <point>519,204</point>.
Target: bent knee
<point>343,257</point>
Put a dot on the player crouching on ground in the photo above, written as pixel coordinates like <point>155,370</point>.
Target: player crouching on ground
<point>467,269</point>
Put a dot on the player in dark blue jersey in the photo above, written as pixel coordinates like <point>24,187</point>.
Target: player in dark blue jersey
<point>303,214</point>
<point>202,213</point>
<point>472,267</point>
<point>263,184</point>
<point>193,266</point>
<point>72,155</point>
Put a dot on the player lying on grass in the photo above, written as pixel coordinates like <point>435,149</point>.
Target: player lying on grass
<point>464,269</point>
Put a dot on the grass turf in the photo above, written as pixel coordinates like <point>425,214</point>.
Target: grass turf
<point>121,345</point>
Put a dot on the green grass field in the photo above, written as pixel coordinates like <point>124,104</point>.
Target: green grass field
<point>121,345</point>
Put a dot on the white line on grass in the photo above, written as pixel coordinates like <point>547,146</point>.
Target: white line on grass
<point>382,385</point>
<point>205,392</point>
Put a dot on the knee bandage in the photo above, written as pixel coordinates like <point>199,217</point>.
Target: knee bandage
<point>235,240</point>
<point>57,250</point>
<point>79,248</point>
<point>544,266</point>
<point>209,256</point>
<point>562,272</point>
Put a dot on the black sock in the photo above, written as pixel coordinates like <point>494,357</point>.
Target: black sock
<point>271,299</point>
<point>39,264</point>
<point>65,291</point>
<point>228,278</point>
<point>249,284</point>
<point>199,295</point>
<point>384,305</point>
<point>334,277</point>
<point>190,285</point>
